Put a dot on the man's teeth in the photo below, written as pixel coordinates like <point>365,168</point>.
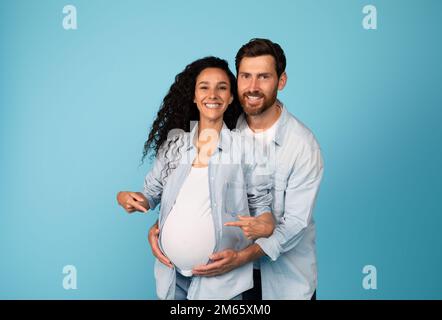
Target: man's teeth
<point>253,97</point>
<point>213,105</point>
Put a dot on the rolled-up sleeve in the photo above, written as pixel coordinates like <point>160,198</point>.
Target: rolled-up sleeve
<point>153,182</point>
<point>300,197</point>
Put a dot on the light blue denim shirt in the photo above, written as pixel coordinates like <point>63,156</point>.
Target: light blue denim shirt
<point>237,185</point>
<point>288,271</point>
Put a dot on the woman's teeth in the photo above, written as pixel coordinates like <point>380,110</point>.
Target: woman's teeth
<point>212,105</point>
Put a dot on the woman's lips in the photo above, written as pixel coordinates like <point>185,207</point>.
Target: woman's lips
<point>213,105</point>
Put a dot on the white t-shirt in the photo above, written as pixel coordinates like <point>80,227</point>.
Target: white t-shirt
<point>263,138</point>
<point>262,141</point>
<point>188,234</point>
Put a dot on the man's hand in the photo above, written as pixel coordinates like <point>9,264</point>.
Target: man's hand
<point>154,233</point>
<point>255,227</point>
<point>223,261</point>
<point>132,201</point>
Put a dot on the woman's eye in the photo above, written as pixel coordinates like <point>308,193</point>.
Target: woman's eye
<point>223,88</point>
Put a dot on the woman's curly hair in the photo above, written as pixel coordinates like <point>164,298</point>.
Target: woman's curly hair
<point>178,108</point>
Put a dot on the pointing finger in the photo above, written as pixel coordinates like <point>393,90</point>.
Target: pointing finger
<point>236,224</point>
<point>136,196</point>
<point>136,205</point>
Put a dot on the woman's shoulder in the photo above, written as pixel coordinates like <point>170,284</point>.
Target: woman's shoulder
<point>176,140</point>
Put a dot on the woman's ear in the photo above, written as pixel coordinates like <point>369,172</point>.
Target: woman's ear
<point>231,100</point>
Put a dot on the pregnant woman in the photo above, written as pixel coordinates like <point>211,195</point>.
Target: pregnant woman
<point>201,179</point>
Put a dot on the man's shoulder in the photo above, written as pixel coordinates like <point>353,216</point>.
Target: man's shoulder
<point>299,147</point>
<point>297,132</point>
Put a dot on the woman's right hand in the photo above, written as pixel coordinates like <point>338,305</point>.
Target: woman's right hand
<point>153,238</point>
<point>132,201</point>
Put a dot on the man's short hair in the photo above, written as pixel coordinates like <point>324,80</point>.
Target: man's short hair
<point>260,47</point>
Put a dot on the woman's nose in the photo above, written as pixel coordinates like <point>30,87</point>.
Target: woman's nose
<point>213,94</point>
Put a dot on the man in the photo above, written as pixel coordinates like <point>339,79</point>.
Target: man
<point>286,261</point>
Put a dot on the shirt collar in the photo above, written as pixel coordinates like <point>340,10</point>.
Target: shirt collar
<point>280,126</point>
<point>224,140</point>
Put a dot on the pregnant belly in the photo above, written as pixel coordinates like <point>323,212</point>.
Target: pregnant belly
<point>188,242</point>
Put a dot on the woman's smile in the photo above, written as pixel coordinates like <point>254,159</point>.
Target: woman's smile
<point>212,94</point>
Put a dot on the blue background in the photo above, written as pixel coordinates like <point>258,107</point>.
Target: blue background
<point>76,106</point>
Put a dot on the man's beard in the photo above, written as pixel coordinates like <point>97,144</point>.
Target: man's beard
<point>266,104</point>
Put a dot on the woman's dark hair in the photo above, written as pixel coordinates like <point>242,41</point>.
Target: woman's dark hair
<point>260,47</point>
<point>178,108</point>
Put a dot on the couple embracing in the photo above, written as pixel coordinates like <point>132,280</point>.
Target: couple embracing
<point>236,177</point>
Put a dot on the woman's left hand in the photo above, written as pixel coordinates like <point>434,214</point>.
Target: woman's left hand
<point>255,227</point>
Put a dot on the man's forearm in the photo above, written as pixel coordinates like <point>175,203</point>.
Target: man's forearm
<point>251,253</point>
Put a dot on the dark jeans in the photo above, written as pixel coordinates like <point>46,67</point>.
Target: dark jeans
<point>182,287</point>
<point>256,292</point>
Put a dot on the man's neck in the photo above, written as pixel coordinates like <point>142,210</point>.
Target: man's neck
<point>265,120</point>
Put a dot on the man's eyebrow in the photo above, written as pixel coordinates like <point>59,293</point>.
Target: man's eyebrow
<point>259,74</point>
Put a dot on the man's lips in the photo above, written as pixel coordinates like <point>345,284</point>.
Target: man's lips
<point>253,98</point>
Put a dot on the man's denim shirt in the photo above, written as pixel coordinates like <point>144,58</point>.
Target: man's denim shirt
<point>288,270</point>
<point>238,185</point>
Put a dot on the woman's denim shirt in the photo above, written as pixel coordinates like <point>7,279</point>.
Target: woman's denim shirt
<point>239,185</point>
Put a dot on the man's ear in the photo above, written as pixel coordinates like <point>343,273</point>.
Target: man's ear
<point>282,81</point>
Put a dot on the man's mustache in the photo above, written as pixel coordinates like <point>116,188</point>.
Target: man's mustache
<point>257,94</point>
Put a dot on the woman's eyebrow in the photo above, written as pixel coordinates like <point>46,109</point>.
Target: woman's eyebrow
<point>207,82</point>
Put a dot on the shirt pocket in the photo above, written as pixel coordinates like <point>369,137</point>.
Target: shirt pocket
<point>235,199</point>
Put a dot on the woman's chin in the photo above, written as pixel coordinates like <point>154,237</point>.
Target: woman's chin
<point>213,116</point>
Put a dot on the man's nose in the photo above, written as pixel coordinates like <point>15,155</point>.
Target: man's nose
<point>253,84</point>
